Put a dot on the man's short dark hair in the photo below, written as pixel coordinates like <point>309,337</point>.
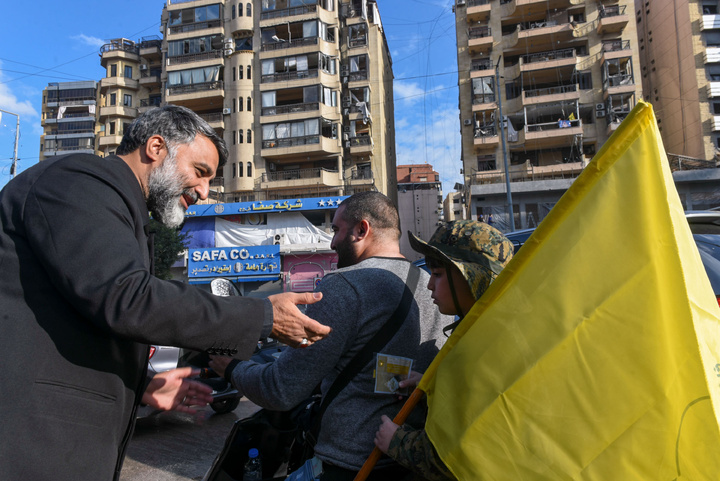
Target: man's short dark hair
<point>177,125</point>
<point>374,207</point>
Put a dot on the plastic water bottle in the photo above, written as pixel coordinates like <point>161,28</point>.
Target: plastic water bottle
<point>253,466</point>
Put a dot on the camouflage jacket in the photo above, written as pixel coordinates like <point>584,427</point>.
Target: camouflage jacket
<point>412,448</point>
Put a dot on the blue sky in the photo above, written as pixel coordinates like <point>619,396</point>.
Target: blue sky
<point>50,41</point>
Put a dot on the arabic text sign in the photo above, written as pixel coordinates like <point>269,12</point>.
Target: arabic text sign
<point>234,261</point>
<point>315,203</point>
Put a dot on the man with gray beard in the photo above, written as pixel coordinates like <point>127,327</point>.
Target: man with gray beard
<point>80,305</point>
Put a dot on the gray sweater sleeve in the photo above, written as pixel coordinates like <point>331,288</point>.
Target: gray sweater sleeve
<point>282,384</point>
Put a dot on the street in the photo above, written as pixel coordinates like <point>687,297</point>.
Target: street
<point>175,446</point>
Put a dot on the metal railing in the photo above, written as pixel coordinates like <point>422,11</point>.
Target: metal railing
<point>186,89</point>
<point>479,32</point>
<point>90,130</point>
<point>151,42</point>
<point>358,42</point>
<point>618,80</point>
<point>683,162</point>
<point>364,140</point>
<point>298,42</point>
<point>361,174</point>
<point>286,76</point>
<point>538,24</point>
<point>359,75</point>
<point>154,102</point>
<point>482,64</point>
<point>611,10</point>
<point>485,131</point>
<point>615,45</point>
<point>483,98</point>
<point>212,117</point>
<point>124,46</point>
<point>545,126</point>
<point>295,174</point>
<point>549,55</point>
<point>528,173</point>
<point>560,89</point>
<point>192,27</point>
<point>290,109</point>
<point>291,141</point>
<point>195,57</point>
<point>477,3</point>
<point>288,12</point>
<point>151,73</point>
<point>71,115</point>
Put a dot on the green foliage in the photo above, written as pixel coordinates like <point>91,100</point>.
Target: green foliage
<point>169,243</point>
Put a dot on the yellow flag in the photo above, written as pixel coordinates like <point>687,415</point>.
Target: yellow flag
<point>595,355</point>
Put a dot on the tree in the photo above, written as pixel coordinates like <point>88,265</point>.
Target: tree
<point>168,244</point>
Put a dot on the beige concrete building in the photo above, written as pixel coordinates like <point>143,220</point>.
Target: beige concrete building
<point>568,75</point>
<point>68,119</point>
<point>419,204</point>
<point>453,207</point>
<point>679,44</point>
<point>300,90</point>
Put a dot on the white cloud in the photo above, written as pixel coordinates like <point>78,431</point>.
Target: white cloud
<point>408,92</point>
<point>10,102</point>
<point>91,41</point>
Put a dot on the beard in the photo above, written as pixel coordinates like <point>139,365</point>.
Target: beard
<point>346,255</point>
<point>165,189</point>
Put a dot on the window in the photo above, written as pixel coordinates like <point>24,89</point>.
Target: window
<point>249,76</point>
<point>249,136</point>
<point>483,90</point>
<point>240,72</point>
<point>240,169</point>
<point>128,71</point>
<point>127,100</point>
<point>249,169</point>
<point>234,174</point>
<point>716,108</point>
<point>233,106</point>
<point>113,99</point>
<point>240,104</point>
<point>113,70</point>
<point>234,141</point>
<point>240,9</point>
<point>234,73</point>
<point>249,10</point>
<point>249,104</point>
<point>358,35</point>
<point>240,136</point>
<point>112,128</point>
<point>233,11</point>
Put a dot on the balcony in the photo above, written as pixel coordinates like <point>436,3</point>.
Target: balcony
<point>119,82</point>
<point>615,49</point>
<point>194,88</point>
<point>526,172</point>
<point>486,136</point>
<point>551,94</point>
<point>150,78</point>
<point>551,59</point>
<point>150,47</point>
<point>550,134</point>
<point>618,84</point>
<point>713,90</point>
<point>109,140</point>
<point>117,111</point>
<point>361,145</point>
<point>298,42</point>
<point>294,146</point>
<point>195,57</point>
<point>478,10</point>
<point>523,8</point>
<point>480,39</point>
<point>289,76</point>
<point>193,27</point>
<point>119,49</point>
<point>299,178</point>
<point>479,67</point>
<point>612,19</point>
<point>290,109</point>
<point>288,12</point>
<point>712,54</point>
<point>543,34</point>
<point>362,176</point>
<point>710,22</point>
<point>215,119</point>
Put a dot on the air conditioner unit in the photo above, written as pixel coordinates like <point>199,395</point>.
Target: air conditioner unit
<point>346,128</point>
<point>344,80</point>
<point>143,67</point>
<point>599,106</point>
<point>228,51</point>
<point>347,104</point>
<point>600,113</point>
<point>467,122</point>
<point>460,2</point>
<point>226,110</point>
<point>279,239</point>
<point>344,71</point>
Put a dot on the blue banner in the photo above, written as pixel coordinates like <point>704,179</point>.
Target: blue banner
<point>251,261</point>
<point>265,206</point>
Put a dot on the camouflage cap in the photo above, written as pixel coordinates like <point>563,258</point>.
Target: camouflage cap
<point>477,249</point>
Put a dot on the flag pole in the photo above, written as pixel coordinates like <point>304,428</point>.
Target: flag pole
<point>407,408</point>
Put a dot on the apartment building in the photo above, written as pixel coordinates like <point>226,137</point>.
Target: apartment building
<point>300,90</point>
<point>419,204</point>
<point>679,42</point>
<point>558,76</point>
<point>68,118</point>
<point>453,207</point>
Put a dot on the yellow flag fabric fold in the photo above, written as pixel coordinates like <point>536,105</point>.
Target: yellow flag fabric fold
<point>595,355</point>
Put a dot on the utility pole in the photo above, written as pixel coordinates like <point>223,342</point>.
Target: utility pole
<point>498,94</point>
<point>13,167</point>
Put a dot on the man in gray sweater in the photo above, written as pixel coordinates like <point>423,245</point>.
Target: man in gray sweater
<point>358,299</point>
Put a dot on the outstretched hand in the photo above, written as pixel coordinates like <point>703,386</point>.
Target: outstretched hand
<point>171,390</point>
<point>292,326</point>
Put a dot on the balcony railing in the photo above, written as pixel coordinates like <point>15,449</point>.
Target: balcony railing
<point>186,89</point>
<point>150,73</point>
<point>295,174</point>
<point>154,102</point>
<point>611,11</point>
<point>477,3</point>
<point>191,27</point>
<point>560,124</point>
<point>538,24</point>
<point>482,64</point>
<point>615,45</point>
<point>71,131</point>
<point>151,42</point>
<point>548,56</point>
<point>357,42</point>
<point>618,80</point>
<point>361,174</point>
<point>195,57</point>
<point>298,42</point>
<point>483,98</point>
<point>485,131</point>
<point>123,46</point>
<point>287,76</point>
<point>560,89</point>
<point>359,75</point>
<point>360,141</point>
<point>212,117</point>
<point>479,32</point>
<point>288,12</point>
<point>68,148</point>
<point>71,115</point>
<point>290,109</point>
<point>291,141</point>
